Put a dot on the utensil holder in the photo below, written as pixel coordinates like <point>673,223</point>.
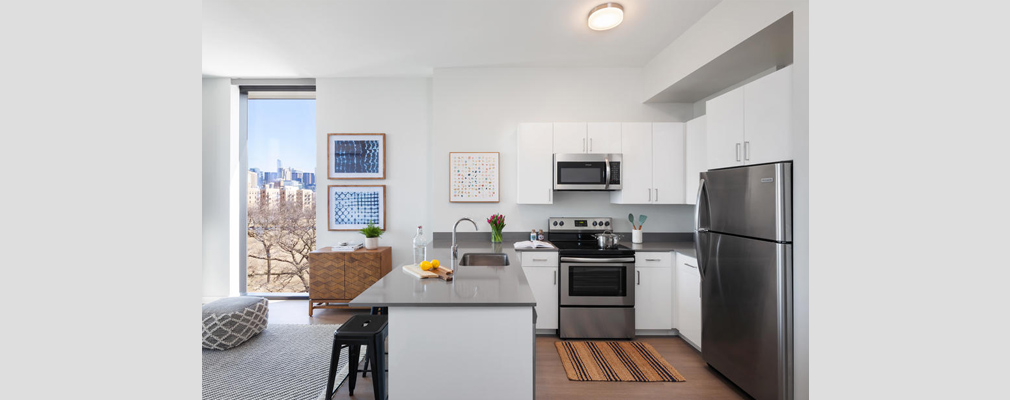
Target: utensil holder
<point>636,236</point>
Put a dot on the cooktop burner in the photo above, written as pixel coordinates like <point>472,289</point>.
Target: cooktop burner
<point>575,236</point>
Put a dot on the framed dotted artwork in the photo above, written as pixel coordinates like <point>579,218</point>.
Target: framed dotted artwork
<point>356,156</point>
<point>474,178</point>
<point>352,207</point>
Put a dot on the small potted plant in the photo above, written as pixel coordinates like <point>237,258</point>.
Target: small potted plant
<point>372,234</point>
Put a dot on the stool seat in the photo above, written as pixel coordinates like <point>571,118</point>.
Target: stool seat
<point>361,330</point>
<point>363,325</point>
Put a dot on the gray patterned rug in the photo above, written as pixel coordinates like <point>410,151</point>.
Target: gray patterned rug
<point>284,362</point>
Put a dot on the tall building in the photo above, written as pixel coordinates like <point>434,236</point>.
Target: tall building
<point>253,180</point>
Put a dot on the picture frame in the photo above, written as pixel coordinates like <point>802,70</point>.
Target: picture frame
<point>474,177</point>
<point>356,155</point>
<point>351,207</point>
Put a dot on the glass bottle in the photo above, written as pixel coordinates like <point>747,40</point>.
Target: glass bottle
<point>533,235</point>
<point>420,246</point>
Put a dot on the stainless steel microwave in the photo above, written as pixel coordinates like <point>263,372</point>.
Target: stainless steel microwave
<point>587,171</point>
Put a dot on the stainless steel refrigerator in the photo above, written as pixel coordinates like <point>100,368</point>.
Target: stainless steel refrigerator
<point>744,243</point>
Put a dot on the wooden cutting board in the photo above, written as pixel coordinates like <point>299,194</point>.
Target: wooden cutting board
<point>441,272</point>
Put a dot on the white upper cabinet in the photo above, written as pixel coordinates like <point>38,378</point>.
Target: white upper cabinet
<point>751,124</point>
<point>725,130</point>
<point>581,137</point>
<point>534,180</point>
<point>668,161</point>
<point>570,137</point>
<point>695,157</point>
<point>767,117</point>
<point>653,164</point>
<point>636,164</point>
<point>604,137</point>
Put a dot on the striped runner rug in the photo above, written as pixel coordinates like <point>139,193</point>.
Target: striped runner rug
<point>615,362</point>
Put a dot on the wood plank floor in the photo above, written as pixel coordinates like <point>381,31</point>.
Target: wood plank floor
<point>551,381</point>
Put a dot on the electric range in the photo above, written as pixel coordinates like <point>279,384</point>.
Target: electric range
<point>597,286</point>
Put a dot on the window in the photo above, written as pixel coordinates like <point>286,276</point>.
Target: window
<point>280,189</point>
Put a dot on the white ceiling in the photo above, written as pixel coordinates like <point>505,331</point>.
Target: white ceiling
<point>336,38</point>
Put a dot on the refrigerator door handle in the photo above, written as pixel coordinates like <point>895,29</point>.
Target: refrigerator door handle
<point>698,229</point>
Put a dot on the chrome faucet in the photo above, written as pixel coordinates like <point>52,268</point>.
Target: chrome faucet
<point>455,247</point>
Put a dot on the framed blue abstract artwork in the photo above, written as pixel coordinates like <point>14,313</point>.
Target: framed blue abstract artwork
<point>356,156</point>
<point>352,207</point>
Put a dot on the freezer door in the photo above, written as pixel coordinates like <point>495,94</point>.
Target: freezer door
<point>746,311</point>
<point>753,201</point>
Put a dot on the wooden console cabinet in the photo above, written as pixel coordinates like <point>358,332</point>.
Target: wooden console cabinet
<point>336,277</point>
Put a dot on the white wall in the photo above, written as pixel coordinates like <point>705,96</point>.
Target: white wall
<point>726,25</point>
<point>478,109</point>
<point>219,279</point>
<point>801,200</point>
<point>400,108</point>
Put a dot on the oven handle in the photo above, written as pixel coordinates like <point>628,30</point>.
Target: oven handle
<point>597,260</point>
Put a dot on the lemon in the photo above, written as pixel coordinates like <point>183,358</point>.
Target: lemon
<point>426,265</point>
<point>434,263</point>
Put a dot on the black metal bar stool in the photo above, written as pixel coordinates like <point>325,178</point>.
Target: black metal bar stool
<point>367,330</point>
<point>368,354</point>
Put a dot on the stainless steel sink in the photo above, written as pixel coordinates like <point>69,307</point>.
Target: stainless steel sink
<point>488,259</point>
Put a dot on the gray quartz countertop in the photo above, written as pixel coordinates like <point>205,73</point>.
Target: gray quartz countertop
<point>686,248</point>
<point>472,286</point>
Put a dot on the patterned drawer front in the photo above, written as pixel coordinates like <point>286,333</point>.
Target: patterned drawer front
<point>326,276</point>
<point>361,271</point>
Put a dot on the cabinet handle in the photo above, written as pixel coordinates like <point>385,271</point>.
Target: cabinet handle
<point>583,145</point>
<point>638,277</point>
<point>657,194</point>
<point>555,277</point>
<point>689,265</point>
<point>650,193</point>
<point>590,145</point>
<point>651,259</point>
<point>550,195</point>
<point>539,259</point>
<point>738,151</point>
<point>746,150</point>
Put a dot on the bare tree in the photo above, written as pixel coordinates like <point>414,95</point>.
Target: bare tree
<point>283,237</point>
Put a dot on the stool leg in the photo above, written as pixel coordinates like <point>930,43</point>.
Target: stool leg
<point>352,362</point>
<point>334,357</point>
<point>378,368</point>
<point>368,358</point>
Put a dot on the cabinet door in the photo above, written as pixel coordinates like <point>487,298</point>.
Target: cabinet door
<point>652,298</point>
<point>534,181</point>
<point>604,137</point>
<point>768,118</point>
<point>689,300</point>
<point>636,175</point>
<point>668,164</point>
<point>695,157</point>
<point>570,137</point>
<point>725,130</point>
<point>544,282</point>
<point>360,272</point>
<point>326,275</point>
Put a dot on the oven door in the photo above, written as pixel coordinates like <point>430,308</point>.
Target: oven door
<point>597,281</point>
<point>587,172</point>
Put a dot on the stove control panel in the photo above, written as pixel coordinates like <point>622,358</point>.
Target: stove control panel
<point>579,223</point>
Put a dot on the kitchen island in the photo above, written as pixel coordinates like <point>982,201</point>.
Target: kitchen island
<point>469,338</point>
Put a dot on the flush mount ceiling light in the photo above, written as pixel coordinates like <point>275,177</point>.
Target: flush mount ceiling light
<point>606,16</point>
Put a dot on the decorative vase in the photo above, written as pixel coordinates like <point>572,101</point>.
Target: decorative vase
<point>495,235</point>
<point>372,243</point>
<point>636,236</point>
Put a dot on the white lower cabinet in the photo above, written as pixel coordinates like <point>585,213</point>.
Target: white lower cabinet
<point>653,301</point>
<point>544,282</point>
<point>688,295</point>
